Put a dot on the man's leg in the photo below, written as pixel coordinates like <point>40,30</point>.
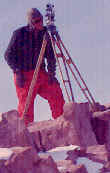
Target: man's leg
<point>22,95</point>
<point>53,93</point>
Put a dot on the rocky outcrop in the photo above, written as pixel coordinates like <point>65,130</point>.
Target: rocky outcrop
<point>13,131</point>
<point>26,160</point>
<point>77,126</point>
<point>73,127</point>
<point>105,115</point>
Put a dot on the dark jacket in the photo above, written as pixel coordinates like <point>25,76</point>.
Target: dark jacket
<point>24,48</point>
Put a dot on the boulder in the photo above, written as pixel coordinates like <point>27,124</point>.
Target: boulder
<point>73,127</point>
<point>101,127</point>
<point>46,164</point>
<point>26,160</point>
<point>13,131</point>
<point>104,115</point>
<point>22,160</point>
<point>95,157</point>
<point>99,154</point>
<point>82,123</point>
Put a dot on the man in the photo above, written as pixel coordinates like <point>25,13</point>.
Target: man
<point>22,55</point>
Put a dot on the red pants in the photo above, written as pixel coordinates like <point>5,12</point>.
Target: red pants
<point>51,92</point>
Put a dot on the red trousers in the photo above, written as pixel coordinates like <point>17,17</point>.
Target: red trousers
<point>51,92</point>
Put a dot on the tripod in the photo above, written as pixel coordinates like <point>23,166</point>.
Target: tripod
<point>68,63</point>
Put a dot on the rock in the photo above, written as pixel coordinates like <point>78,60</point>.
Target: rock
<point>106,168</point>
<point>26,160</point>
<point>82,123</point>
<point>13,131</point>
<point>92,157</point>
<point>97,153</point>
<point>107,105</point>
<point>100,129</point>
<point>107,138</point>
<point>52,133</point>
<point>105,115</point>
<point>2,167</point>
<point>68,129</point>
<point>22,160</point>
<point>66,166</point>
<point>46,164</point>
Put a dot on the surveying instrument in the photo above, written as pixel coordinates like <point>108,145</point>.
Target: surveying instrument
<point>58,49</point>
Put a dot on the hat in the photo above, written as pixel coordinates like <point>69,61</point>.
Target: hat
<point>32,14</point>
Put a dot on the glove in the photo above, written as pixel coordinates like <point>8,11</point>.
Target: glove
<point>52,79</point>
<point>20,79</point>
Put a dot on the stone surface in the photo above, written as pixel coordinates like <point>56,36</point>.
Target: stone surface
<point>46,165</point>
<point>97,153</point>
<point>22,160</point>
<point>13,131</point>
<point>77,126</point>
<point>68,129</point>
<point>50,134</point>
<point>93,156</point>
<point>26,160</point>
<point>82,124</point>
<point>100,154</point>
<point>100,128</point>
<point>107,105</point>
<point>105,115</point>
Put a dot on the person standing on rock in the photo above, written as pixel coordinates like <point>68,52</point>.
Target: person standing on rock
<point>22,55</point>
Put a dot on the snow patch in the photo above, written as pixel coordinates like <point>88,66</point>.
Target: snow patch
<point>60,153</point>
<point>92,167</point>
<point>5,153</point>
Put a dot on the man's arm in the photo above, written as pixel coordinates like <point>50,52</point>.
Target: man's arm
<point>11,53</point>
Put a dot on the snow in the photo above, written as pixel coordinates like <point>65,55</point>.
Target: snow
<point>5,153</point>
<point>92,167</point>
<point>60,153</point>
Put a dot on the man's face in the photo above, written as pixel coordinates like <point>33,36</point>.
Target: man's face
<point>38,23</point>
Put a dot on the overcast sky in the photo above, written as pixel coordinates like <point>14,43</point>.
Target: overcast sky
<point>84,27</point>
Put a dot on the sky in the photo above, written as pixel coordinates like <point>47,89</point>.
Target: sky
<point>84,28</point>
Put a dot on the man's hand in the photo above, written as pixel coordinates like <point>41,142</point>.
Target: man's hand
<point>20,79</point>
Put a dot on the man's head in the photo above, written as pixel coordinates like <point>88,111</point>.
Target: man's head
<point>35,18</point>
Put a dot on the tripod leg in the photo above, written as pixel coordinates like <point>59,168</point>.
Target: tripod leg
<point>70,61</point>
<point>53,46</point>
<point>62,56</point>
<point>35,76</point>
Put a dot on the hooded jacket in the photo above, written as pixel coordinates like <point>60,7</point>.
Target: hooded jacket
<point>24,48</point>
